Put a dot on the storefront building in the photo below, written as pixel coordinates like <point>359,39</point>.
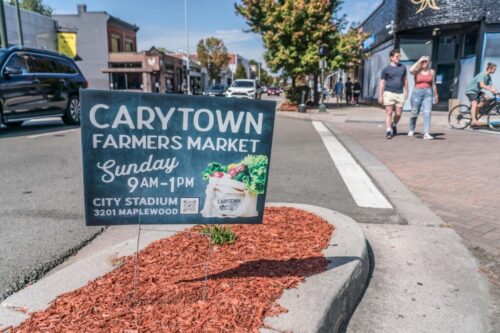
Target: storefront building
<point>460,37</point>
<point>148,71</point>
<point>98,34</point>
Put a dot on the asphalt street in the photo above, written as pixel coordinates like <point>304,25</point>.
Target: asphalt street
<point>41,202</point>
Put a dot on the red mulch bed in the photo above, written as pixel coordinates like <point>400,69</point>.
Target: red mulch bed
<point>245,280</point>
<point>287,106</point>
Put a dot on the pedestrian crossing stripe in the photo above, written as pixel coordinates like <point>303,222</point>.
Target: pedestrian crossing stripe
<point>361,187</point>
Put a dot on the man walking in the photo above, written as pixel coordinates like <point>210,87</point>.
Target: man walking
<point>392,92</point>
<point>339,90</point>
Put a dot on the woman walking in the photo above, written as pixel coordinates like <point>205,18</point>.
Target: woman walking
<point>424,95</point>
<point>356,89</point>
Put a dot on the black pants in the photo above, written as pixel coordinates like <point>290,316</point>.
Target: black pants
<point>356,98</point>
<point>348,97</point>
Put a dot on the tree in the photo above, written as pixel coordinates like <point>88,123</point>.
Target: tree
<point>292,32</point>
<point>213,55</point>
<point>241,73</point>
<point>350,51</point>
<point>36,6</point>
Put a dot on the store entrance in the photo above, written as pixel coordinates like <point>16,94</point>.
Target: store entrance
<point>445,66</point>
<point>445,74</point>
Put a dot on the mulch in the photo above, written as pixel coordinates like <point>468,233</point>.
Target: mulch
<point>245,279</point>
<point>287,106</point>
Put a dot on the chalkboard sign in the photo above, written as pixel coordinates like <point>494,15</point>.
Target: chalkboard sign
<point>174,159</point>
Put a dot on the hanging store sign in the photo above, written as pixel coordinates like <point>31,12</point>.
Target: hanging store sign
<point>164,159</point>
<point>66,44</point>
<point>424,4</point>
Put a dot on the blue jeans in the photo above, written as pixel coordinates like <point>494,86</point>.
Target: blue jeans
<point>421,99</point>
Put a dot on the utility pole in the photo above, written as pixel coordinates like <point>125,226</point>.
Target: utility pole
<point>3,27</point>
<point>188,76</point>
<point>19,26</point>
<point>258,66</point>
<point>323,52</point>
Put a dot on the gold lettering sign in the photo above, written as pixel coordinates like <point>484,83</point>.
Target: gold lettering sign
<point>424,4</point>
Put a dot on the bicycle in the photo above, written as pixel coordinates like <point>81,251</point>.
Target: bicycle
<point>460,116</point>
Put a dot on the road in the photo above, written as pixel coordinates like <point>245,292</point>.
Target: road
<point>41,202</point>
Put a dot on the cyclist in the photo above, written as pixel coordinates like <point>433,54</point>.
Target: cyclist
<point>480,82</point>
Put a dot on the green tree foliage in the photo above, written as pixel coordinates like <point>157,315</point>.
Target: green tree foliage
<point>241,73</point>
<point>212,54</point>
<point>349,49</point>
<point>36,6</point>
<point>292,31</point>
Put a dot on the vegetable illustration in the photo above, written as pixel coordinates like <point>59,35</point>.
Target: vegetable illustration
<point>211,169</point>
<point>252,171</point>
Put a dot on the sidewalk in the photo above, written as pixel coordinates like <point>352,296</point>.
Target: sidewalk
<point>451,176</point>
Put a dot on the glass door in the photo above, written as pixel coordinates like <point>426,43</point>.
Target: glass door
<point>446,59</point>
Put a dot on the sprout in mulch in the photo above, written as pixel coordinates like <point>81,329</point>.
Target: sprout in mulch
<point>219,235</point>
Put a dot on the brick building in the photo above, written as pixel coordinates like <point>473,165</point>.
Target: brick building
<point>148,71</point>
<point>460,36</point>
<point>97,35</point>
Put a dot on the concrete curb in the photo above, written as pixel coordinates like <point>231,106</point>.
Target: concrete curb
<point>38,296</point>
<point>326,301</point>
<point>323,303</point>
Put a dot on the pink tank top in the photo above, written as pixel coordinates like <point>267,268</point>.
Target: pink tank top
<point>423,81</point>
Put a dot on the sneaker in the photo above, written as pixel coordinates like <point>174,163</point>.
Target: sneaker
<point>411,133</point>
<point>394,130</point>
<point>427,136</point>
<point>388,135</point>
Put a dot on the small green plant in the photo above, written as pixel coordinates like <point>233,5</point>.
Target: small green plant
<point>219,234</point>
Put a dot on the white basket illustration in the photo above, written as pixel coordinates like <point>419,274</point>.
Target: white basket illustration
<point>226,197</point>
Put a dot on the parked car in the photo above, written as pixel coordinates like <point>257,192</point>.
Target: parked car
<point>273,91</point>
<point>244,89</point>
<point>38,84</point>
<point>215,90</point>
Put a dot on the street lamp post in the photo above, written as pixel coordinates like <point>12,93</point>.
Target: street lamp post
<point>323,52</point>
<point>19,26</point>
<point>3,27</point>
<point>188,78</point>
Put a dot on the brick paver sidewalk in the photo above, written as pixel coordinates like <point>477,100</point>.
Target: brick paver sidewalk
<point>457,175</point>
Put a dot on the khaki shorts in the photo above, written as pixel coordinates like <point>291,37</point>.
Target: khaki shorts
<point>391,98</point>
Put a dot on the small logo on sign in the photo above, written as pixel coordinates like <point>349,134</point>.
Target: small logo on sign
<point>190,205</point>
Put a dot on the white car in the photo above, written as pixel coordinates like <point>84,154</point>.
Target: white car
<point>244,89</point>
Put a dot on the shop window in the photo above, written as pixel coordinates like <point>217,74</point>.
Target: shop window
<point>414,48</point>
<point>129,45</point>
<point>115,43</point>
<point>491,53</point>
<point>469,44</point>
<point>125,64</point>
<point>448,49</point>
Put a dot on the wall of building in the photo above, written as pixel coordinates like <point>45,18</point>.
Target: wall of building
<point>92,44</point>
<point>124,34</point>
<point>450,11</point>
<point>376,23</point>
<point>39,31</point>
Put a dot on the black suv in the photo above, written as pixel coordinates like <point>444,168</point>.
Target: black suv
<point>38,83</point>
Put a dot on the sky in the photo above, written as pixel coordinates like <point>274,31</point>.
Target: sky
<point>161,22</point>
